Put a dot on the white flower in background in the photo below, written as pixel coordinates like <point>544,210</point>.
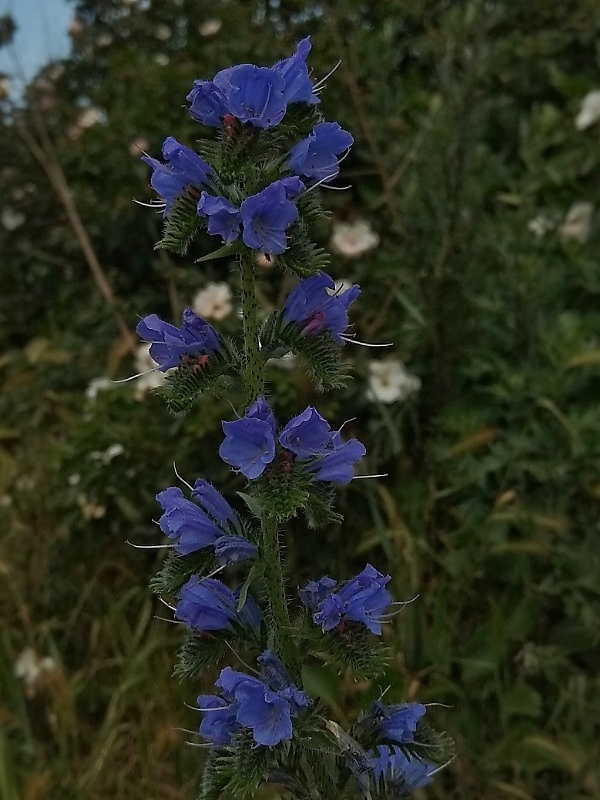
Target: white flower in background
<point>352,239</point>
<point>210,27</point>
<point>589,111</point>
<point>265,260</point>
<point>11,219</point>
<point>288,361</point>
<point>5,87</point>
<point>214,301</point>
<point>540,225</point>
<point>341,285</point>
<point>30,668</point>
<point>163,32</point>
<point>577,223</point>
<point>139,146</point>
<point>162,59</point>
<point>106,456</point>
<point>97,385</point>
<point>389,381</point>
<point>89,509</point>
<point>87,119</point>
<point>104,40</point>
<point>143,363</point>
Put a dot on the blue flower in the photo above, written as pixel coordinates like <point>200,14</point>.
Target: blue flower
<point>206,604</point>
<point>183,169</point>
<point>293,186</point>
<point>316,156</point>
<point>264,706</point>
<point>220,719</point>
<point>315,591</point>
<point>185,523</point>
<point>307,434</point>
<point>233,549</point>
<point>298,86</point>
<point>249,443</point>
<point>362,599</point>
<point>266,216</point>
<point>337,464</point>
<point>208,103</point>
<point>316,307</point>
<point>169,344</point>
<point>223,217</point>
<point>401,774</point>
<point>397,722</point>
<point>253,94</point>
<point>215,505</point>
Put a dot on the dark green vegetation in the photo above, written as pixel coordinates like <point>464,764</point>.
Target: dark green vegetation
<point>463,115</point>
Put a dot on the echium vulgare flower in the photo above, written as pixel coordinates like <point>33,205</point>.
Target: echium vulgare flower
<point>169,345</point>
<point>397,723</point>
<point>250,444</point>
<point>315,306</point>
<point>206,604</point>
<point>209,521</point>
<point>363,599</point>
<point>262,218</point>
<point>255,95</point>
<point>401,774</point>
<point>183,170</point>
<point>316,156</point>
<point>266,707</point>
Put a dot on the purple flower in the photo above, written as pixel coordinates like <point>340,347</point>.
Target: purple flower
<point>264,706</point>
<point>400,773</point>
<point>315,591</point>
<point>266,216</point>
<point>316,156</point>
<point>253,94</point>
<point>206,604</point>
<point>293,187</point>
<point>307,434</point>
<point>337,464</point>
<point>362,599</point>
<point>249,443</point>
<point>233,549</point>
<point>183,168</point>
<point>223,217</point>
<point>169,344</point>
<point>215,505</point>
<point>315,307</point>
<point>185,523</point>
<point>398,722</point>
<point>220,719</point>
<point>298,86</point>
<point>208,104</point>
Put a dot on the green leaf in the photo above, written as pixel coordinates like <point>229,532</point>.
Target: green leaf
<point>253,504</point>
<point>222,252</point>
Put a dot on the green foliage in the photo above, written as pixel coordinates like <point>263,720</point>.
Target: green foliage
<point>197,654</point>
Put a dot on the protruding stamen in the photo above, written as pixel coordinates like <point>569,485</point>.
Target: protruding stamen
<point>185,483</point>
<point>148,546</point>
<point>351,340</point>
<point>320,84</point>
<point>133,377</point>
<point>168,605</point>
<point>363,477</point>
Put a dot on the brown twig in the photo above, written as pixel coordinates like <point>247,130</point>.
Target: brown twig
<point>45,154</point>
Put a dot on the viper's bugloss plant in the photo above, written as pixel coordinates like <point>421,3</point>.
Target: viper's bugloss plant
<point>253,187</point>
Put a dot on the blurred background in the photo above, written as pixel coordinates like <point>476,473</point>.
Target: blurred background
<point>471,225</point>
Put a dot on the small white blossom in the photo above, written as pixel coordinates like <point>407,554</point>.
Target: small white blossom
<point>540,225</point>
<point>89,509</point>
<point>577,223</point>
<point>106,456</point>
<point>353,239</point>
<point>30,668</point>
<point>389,381</point>
<point>589,111</point>
<point>210,27</point>
<point>163,32</point>
<point>214,301</point>
<point>97,385</point>
<point>265,260</point>
<point>143,363</point>
<point>11,219</point>
<point>288,361</point>
<point>104,40</point>
<point>139,146</point>
<point>74,479</point>
<point>162,59</point>
<point>341,286</point>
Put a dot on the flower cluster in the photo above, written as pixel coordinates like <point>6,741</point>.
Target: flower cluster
<point>266,707</point>
<point>255,95</point>
<point>170,345</point>
<point>208,522</point>
<point>363,599</point>
<point>316,306</point>
<point>251,444</point>
<point>258,97</point>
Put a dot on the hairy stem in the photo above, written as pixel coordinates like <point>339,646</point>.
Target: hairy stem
<point>280,636</point>
<point>253,369</point>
